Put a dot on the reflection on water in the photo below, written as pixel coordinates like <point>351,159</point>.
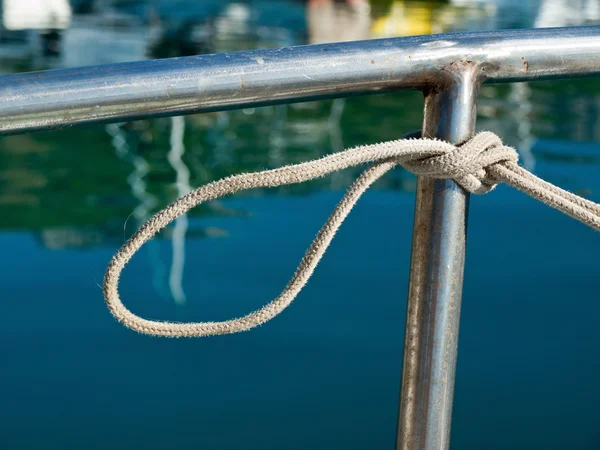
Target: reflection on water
<point>181,223</point>
<point>136,179</point>
<point>69,198</point>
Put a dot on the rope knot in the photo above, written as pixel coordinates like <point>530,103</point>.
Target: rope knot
<point>468,163</point>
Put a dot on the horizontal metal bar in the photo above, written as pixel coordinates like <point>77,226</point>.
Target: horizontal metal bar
<point>55,98</point>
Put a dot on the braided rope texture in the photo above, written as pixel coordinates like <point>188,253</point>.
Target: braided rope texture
<point>477,166</point>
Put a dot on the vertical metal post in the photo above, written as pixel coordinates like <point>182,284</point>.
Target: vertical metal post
<point>436,276</point>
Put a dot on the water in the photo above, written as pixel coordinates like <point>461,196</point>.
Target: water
<point>325,374</point>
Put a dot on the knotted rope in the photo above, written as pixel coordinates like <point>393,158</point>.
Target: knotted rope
<point>477,165</point>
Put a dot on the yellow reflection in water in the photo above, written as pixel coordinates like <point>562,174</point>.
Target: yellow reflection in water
<point>404,19</point>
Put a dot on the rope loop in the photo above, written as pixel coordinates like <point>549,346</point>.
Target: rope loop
<point>477,165</point>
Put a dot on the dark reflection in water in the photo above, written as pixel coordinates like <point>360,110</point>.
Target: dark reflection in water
<point>326,373</point>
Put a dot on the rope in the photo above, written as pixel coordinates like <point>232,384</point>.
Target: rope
<point>477,165</point>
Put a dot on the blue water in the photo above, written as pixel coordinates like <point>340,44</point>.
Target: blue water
<point>325,373</point>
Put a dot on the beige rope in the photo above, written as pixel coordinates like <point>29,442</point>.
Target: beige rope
<point>477,165</point>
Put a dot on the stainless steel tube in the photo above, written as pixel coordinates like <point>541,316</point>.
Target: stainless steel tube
<point>56,98</point>
<point>436,277</point>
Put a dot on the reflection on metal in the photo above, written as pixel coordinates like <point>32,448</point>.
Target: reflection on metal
<point>245,79</point>
<point>447,68</point>
<point>181,223</point>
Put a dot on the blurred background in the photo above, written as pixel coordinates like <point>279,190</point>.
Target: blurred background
<point>326,373</point>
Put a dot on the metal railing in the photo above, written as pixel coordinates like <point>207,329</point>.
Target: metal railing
<point>448,69</point>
